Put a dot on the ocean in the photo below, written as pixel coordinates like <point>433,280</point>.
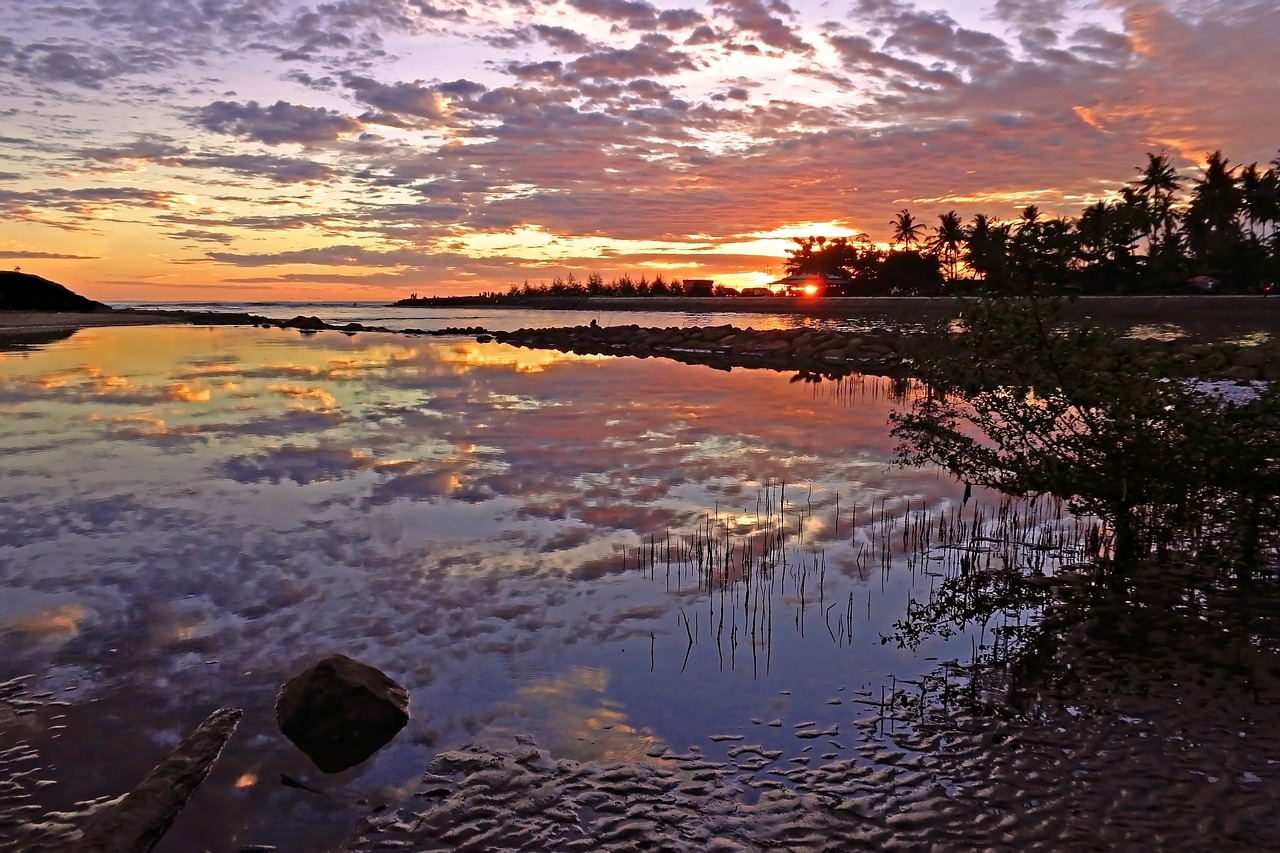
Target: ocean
<point>431,318</point>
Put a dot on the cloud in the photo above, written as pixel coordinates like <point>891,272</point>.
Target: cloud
<point>162,152</point>
<point>327,256</point>
<point>562,38</point>
<point>18,254</point>
<point>631,13</point>
<point>457,128</point>
<point>302,465</point>
<point>656,57</point>
<point>753,19</point>
<point>76,209</point>
<point>282,122</point>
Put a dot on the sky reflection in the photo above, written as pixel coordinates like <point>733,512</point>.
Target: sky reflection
<point>195,514</point>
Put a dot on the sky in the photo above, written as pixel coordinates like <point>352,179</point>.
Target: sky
<point>258,150</point>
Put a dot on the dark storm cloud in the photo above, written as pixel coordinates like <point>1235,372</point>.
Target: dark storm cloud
<point>279,123</point>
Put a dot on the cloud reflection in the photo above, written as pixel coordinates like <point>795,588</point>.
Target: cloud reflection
<point>440,510</point>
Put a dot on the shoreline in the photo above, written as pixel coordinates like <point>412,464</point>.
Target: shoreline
<point>1211,337</point>
<point>1200,316</point>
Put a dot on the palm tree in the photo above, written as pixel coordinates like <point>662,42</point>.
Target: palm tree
<point>946,240</point>
<point>1106,234</point>
<point>1260,192</point>
<point>1213,216</point>
<point>1157,185</point>
<point>985,244</point>
<point>906,231</point>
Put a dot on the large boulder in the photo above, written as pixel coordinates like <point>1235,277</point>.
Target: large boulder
<point>21,291</point>
<point>340,711</point>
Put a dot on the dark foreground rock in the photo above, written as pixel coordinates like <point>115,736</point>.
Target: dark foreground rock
<point>21,291</point>
<point>137,821</point>
<point>340,711</point>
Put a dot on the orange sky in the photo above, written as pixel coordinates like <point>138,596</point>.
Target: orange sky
<point>157,150</point>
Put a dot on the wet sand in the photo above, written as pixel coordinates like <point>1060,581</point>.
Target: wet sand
<point>22,322</point>
<point>1164,734</point>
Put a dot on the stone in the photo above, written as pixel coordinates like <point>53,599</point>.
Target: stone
<point>340,711</point>
<point>305,323</point>
<point>136,822</point>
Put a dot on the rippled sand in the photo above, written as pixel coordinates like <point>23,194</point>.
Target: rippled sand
<point>1163,735</point>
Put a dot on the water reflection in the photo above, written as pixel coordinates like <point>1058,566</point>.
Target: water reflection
<point>226,505</point>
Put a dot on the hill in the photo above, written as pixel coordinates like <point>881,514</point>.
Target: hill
<point>21,291</point>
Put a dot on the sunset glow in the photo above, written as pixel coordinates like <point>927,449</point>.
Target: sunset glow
<point>366,150</point>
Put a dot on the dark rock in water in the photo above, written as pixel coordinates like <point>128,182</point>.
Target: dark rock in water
<point>484,339</point>
<point>340,711</point>
<point>300,322</point>
<point>21,291</point>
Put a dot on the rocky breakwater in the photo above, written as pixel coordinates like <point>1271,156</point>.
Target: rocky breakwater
<point>806,350</point>
<point>818,352</point>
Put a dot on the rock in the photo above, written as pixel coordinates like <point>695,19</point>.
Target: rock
<point>1253,357</point>
<point>340,711</point>
<point>21,291</point>
<point>305,323</point>
<point>1240,373</point>
<point>1215,360</point>
<point>136,822</point>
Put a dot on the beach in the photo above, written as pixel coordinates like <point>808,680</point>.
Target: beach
<point>666,597</point>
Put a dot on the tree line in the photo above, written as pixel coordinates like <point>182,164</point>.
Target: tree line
<point>1219,229</point>
<point>624,285</point>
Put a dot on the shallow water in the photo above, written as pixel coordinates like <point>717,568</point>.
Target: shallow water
<point>430,318</point>
<point>194,514</point>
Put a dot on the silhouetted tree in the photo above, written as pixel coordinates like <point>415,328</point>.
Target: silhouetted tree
<point>1157,185</point>
<point>1213,216</point>
<point>906,231</point>
<point>986,250</point>
<point>948,237</point>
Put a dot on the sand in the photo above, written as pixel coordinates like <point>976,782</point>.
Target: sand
<point>22,322</point>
